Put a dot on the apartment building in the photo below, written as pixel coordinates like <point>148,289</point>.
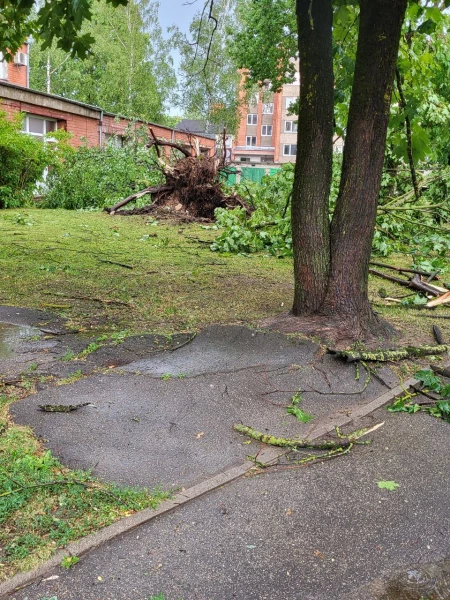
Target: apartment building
<point>267,133</point>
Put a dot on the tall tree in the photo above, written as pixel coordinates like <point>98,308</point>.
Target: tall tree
<point>331,258</point>
<point>352,226</point>
<point>128,70</point>
<point>208,87</point>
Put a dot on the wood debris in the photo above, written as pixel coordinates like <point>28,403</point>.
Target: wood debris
<point>420,282</point>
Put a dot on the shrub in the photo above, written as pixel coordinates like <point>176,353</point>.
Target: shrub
<point>403,224</point>
<point>97,177</point>
<point>23,159</point>
<point>268,229</point>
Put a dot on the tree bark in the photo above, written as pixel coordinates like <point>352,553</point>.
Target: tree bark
<point>353,222</point>
<point>310,222</point>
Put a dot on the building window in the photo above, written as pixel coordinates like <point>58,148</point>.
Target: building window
<point>290,150</point>
<point>252,119</point>
<point>38,126</point>
<point>3,68</point>
<point>290,100</point>
<point>250,140</point>
<point>266,130</point>
<point>290,126</point>
<point>112,139</point>
<point>244,159</point>
<point>254,99</point>
<point>267,108</point>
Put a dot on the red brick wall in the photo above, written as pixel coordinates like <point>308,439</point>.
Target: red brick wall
<point>82,128</point>
<point>243,110</point>
<point>87,129</point>
<point>17,74</point>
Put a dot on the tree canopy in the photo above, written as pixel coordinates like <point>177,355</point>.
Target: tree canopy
<point>209,80</point>
<point>59,21</point>
<point>128,69</point>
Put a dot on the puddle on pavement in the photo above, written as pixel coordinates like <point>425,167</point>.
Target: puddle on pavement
<point>12,335</point>
<point>425,582</point>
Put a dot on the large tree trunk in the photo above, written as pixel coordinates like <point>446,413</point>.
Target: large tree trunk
<point>353,223</point>
<point>310,223</point>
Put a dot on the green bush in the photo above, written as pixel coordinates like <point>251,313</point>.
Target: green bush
<point>419,228</point>
<point>23,159</point>
<point>268,229</point>
<point>98,177</point>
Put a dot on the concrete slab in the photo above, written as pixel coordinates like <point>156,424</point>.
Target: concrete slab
<point>222,349</point>
<point>326,532</point>
<point>144,430</point>
<point>40,341</point>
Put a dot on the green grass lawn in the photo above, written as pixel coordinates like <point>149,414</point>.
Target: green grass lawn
<point>55,260</point>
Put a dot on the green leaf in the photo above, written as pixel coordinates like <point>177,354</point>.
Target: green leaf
<point>388,485</point>
<point>301,415</point>
<point>444,408</point>
<point>429,379</point>
<point>445,391</point>
<point>427,26</point>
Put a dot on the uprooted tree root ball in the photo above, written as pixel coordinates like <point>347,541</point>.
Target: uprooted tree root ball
<point>192,185</point>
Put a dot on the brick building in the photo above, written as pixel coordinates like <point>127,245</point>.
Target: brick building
<point>267,134</point>
<point>44,113</point>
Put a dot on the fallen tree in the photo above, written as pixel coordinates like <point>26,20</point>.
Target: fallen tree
<point>193,182</point>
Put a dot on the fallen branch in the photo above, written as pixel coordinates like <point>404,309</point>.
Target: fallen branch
<point>158,189</point>
<point>62,408</point>
<point>400,270</point>
<point>113,262</point>
<point>438,335</point>
<point>101,300</point>
<point>444,299</point>
<point>158,143</point>
<point>294,444</point>
<point>440,371</point>
<point>415,283</point>
<point>390,355</point>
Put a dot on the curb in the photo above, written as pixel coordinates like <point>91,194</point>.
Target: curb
<point>267,456</point>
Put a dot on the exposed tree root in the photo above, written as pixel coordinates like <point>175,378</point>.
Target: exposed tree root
<point>193,184</point>
<point>339,331</point>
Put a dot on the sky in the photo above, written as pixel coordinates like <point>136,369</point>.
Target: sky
<point>178,12</point>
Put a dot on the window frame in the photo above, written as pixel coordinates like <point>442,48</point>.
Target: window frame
<point>250,137</point>
<point>290,146</point>
<point>266,134</point>
<point>266,106</point>
<point>289,100</point>
<point>292,124</point>
<point>254,118</point>
<point>45,120</point>
<point>3,68</point>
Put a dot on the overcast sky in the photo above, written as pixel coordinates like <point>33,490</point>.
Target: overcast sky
<point>178,12</point>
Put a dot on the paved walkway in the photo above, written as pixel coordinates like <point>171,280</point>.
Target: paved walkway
<point>322,533</point>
